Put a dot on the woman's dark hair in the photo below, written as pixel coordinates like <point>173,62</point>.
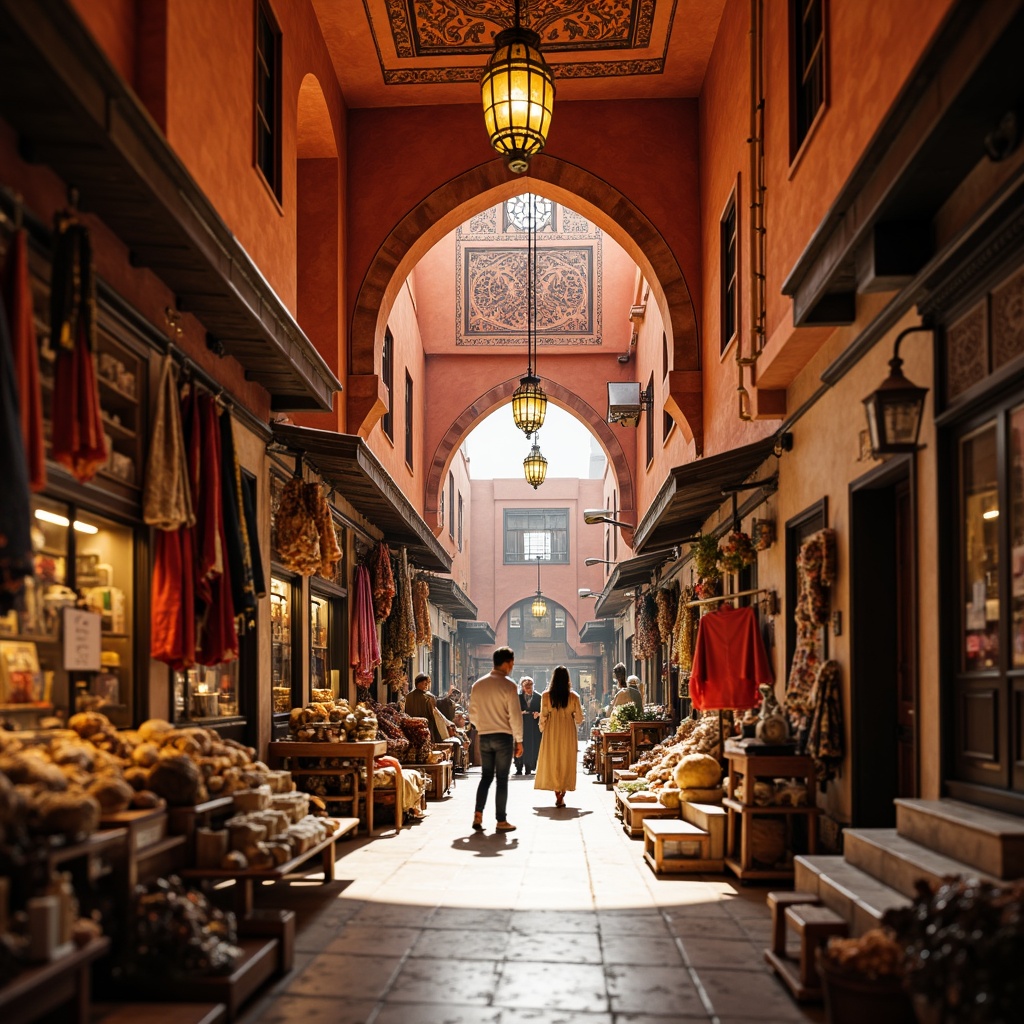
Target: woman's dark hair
<point>558,688</point>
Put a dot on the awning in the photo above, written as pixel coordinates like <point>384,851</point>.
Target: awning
<point>448,595</point>
<point>72,111</point>
<point>626,577</point>
<point>598,631</point>
<point>694,491</point>
<point>350,466</point>
<point>475,632</point>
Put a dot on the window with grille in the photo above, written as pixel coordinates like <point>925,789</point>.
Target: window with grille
<point>728,275</point>
<point>268,97</point>
<point>807,57</point>
<point>532,534</point>
<point>387,372</point>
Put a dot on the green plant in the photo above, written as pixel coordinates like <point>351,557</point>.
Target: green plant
<point>736,552</point>
<point>705,557</point>
<point>629,712</point>
<point>964,946</point>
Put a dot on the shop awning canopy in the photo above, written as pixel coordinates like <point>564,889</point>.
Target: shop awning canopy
<point>347,463</point>
<point>72,111</point>
<point>448,595</point>
<point>598,631</point>
<point>694,491</point>
<point>476,632</point>
<point>626,577</point>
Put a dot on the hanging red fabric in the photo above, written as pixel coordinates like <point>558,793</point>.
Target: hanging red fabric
<point>173,637</point>
<point>17,292</point>
<point>365,656</point>
<point>729,662</point>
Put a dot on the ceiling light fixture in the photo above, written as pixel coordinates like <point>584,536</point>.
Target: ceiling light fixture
<point>56,519</point>
<point>518,93</point>
<point>539,606</point>
<point>535,466</point>
<point>529,402</point>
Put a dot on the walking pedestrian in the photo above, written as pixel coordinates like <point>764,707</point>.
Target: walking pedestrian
<point>560,716</point>
<point>530,703</point>
<point>494,701</point>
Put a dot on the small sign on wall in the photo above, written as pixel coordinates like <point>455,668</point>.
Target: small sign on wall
<point>82,637</point>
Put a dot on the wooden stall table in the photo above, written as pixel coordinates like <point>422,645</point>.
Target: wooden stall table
<point>613,746</point>
<point>644,735</point>
<point>245,879</point>
<point>66,980</point>
<point>281,751</point>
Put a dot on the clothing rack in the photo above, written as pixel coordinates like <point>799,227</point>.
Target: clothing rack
<point>729,597</point>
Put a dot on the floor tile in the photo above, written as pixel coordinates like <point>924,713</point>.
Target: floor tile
<point>460,982</point>
<point>447,943</point>
<point>437,1013</point>
<point>334,975</point>
<point>700,951</point>
<point>635,949</point>
<point>290,1009</point>
<point>655,989</point>
<point>370,940</point>
<point>552,986</point>
<point>752,993</point>
<point>563,947</point>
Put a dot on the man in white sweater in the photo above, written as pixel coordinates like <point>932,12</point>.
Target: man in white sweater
<point>495,711</point>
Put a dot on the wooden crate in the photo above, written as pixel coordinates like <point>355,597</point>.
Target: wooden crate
<point>636,812</point>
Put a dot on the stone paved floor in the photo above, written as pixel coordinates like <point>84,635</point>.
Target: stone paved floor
<point>559,922</point>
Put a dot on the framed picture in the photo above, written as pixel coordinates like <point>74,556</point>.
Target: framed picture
<point>21,682</point>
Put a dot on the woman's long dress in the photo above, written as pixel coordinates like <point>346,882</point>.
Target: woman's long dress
<point>559,745</point>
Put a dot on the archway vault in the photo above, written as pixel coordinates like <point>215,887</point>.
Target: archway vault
<point>500,395</point>
<point>479,188</point>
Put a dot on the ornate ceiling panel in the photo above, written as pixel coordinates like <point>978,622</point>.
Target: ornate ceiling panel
<point>394,52</point>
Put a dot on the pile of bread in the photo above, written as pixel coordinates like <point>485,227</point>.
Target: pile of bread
<point>335,721</point>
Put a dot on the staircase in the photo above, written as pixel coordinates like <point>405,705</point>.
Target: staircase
<point>932,839</point>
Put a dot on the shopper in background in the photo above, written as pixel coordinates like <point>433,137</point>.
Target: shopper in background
<point>560,716</point>
<point>629,690</point>
<point>494,702</point>
<point>530,703</point>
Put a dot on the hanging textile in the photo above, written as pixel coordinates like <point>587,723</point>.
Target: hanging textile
<point>236,535</point>
<point>420,597</point>
<point>383,581</point>
<point>167,505</point>
<point>365,656</point>
<point>216,632</point>
<point>683,633</point>
<point>78,442</point>
<point>16,562</point>
<point>825,736</point>
<point>816,572</point>
<point>729,662</point>
<point>17,293</point>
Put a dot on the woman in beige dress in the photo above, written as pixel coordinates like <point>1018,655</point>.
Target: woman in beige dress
<point>561,714</point>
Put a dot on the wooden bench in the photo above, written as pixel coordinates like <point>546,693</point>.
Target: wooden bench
<point>636,812</point>
<point>659,831</point>
<point>614,760</point>
<point>814,925</point>
<point>777,905</point>
<point>440,776</point>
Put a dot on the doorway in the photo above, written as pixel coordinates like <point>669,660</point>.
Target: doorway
<point>883,643</point>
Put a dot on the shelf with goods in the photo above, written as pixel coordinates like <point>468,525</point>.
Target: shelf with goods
<point>290,754</point>
<point>645,735</point>
<point>744,814</point>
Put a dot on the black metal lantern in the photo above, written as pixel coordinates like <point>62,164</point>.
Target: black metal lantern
<point>896,407</point>
<point>529,402</point>
<point>518,92</point>
<point>535,466</point>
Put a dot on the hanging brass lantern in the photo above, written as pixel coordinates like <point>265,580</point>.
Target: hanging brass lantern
<point>529,405</point>
<point>518,92</point>
<point>539,606</point>
<point>535,466</point>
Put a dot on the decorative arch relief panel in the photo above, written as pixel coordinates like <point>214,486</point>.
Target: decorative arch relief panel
<point>492,294</point>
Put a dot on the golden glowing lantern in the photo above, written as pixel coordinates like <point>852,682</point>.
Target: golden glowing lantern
<point>518,92</point>
<point>529,405</point>
<point>535,466</point>
<point>539,606</point>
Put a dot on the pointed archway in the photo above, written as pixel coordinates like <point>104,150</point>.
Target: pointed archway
<point>476,190</point>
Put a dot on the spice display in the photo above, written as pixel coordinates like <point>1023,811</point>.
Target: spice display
<point>383,579</point>
<point>420,596</point>
<point>667,600</point>
<point>682,644</point>
<point>646,638</point>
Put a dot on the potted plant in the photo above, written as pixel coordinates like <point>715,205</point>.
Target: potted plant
<point>963,947</point>
<point>862,980</point>
<point>705,557</point>
<point>736,552</point>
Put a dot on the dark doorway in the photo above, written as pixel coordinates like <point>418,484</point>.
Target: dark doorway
<point>883,645</point>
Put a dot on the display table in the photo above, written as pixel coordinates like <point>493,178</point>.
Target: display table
<point>739,854</point>
<point>613,754</point>
<point>440,775</point>
<point>283,754</point>
<point>644,735</point>
<point>245,879</point>
<point>67,980</point>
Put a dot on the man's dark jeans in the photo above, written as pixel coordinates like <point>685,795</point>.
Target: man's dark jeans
<point>496,759</point>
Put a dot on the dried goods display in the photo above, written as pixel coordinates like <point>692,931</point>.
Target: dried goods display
<point>330,550</point>
<point>332,721</point>
<point>736,552</point>
<point>682,633</point>
<point>298,538</point>
<point>667,600</point>
<point>646,639</point>
<point>383,579</point>
<point>398,636</point>
<point>420,595</point>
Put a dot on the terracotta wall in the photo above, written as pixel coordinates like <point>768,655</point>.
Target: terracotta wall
<point>462,559</point>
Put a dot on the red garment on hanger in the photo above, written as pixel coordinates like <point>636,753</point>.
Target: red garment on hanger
<point>729,662</point>
<point>173,638</point>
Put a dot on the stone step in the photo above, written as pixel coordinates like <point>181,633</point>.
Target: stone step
<point>987,841</point>
<point>853,894</point>
<point>896,861</point>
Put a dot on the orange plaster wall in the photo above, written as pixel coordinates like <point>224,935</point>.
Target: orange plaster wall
<point>872,50</point>
<point>647,151</point>
<point>461,560</point>
<point>112,24</point>
<point>408,353</point>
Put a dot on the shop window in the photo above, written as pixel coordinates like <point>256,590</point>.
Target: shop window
<point>387,372</point>
<point>980,530</point>
<point>728,274</point>
<point>206,692</point>
<point>282,652</point>
<point>532,534</point>
<point>77,552</point>
<point>268,97</point>
<point>807,63</point>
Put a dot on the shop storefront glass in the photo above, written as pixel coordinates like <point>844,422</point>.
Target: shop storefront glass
<point>282,606</point>
<point>980,531</point>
